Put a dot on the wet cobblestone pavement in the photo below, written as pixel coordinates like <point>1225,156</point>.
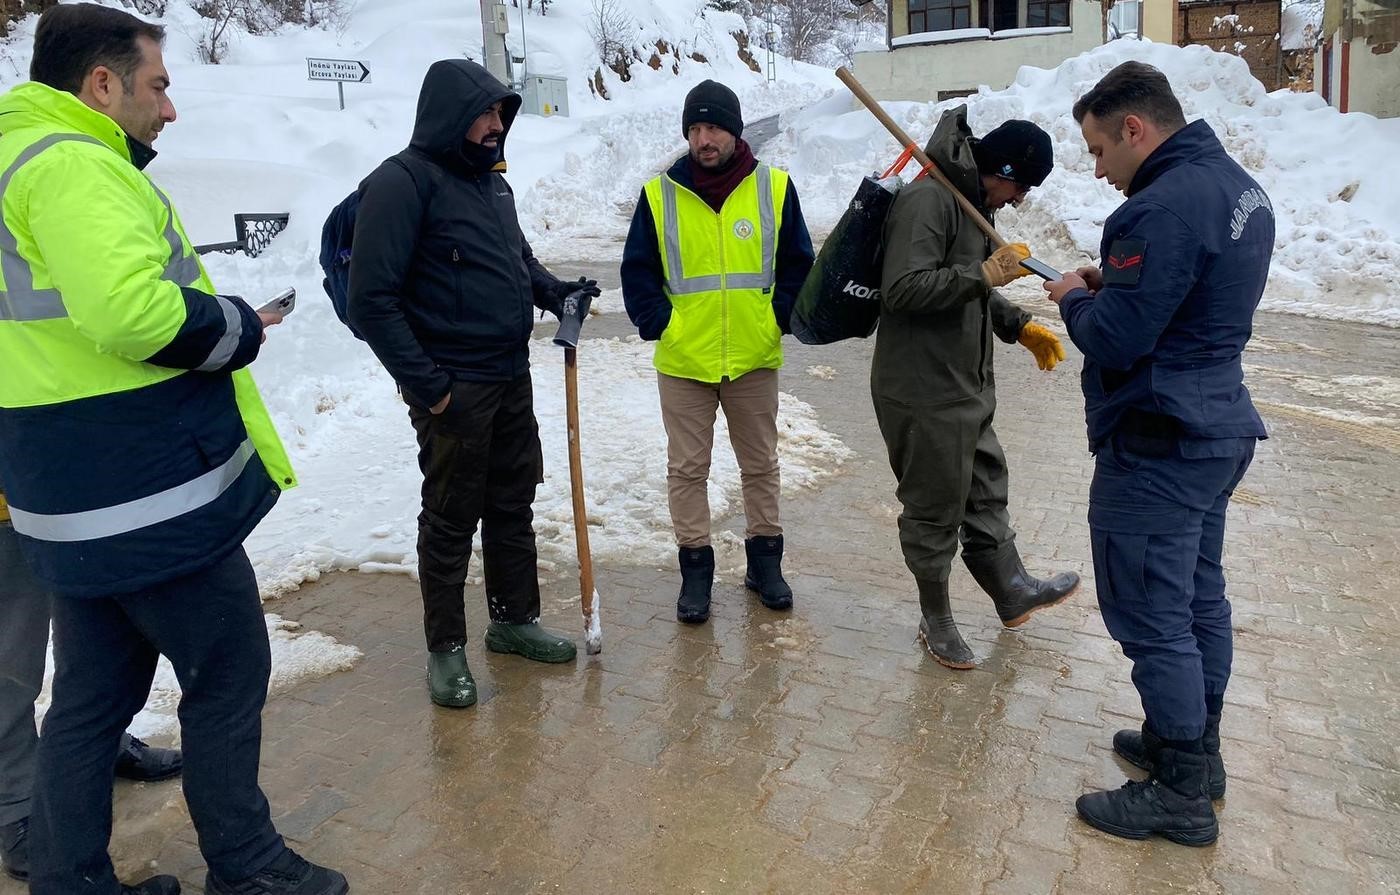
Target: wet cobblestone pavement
<point>822,751</point>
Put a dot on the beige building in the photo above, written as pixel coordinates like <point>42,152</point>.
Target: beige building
<point>944,48</point>
<point>1357,66</point>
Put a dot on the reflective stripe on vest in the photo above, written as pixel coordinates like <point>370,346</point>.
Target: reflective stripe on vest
<point>19,300</point>
<point>677,283</point>
<point>90,525</point>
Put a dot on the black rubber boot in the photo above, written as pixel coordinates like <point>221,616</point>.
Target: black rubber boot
<point>14,849</point>
<point>1016,594</point>
<point>1137,747</point>
<point>147,764</point>
<point>937,629</point>
<point>765,572</point>
<point>1171,803</point>
<point>156,885</point>
<point>697,581</point>
<point>289,874</point>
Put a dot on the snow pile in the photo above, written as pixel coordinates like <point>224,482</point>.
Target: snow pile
<point>357,506</point>
<point>1338,210</point>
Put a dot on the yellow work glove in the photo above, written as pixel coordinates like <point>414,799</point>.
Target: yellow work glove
<point>1005,264</point>
<point>1042,343</point>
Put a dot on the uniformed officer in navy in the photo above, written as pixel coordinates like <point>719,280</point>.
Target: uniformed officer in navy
<point>1162,325</point>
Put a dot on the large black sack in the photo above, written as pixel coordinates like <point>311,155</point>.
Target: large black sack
<point>840,299</point>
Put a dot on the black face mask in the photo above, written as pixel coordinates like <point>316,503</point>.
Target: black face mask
<point>478,157</point>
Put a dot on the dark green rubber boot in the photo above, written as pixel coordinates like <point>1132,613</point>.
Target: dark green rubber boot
<point>450,682</point>
<point>533,641</point>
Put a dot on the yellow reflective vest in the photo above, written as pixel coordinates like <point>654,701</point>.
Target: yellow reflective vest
<point>125,463</point>
<point>720,271</point>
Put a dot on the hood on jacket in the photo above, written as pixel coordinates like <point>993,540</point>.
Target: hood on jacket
<point>950,148</point>
<point>455,92</point>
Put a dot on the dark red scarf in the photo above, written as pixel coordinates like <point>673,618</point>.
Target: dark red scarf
<point>715,185</point>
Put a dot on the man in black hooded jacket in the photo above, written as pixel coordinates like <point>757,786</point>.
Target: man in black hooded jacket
<point>444,286</point>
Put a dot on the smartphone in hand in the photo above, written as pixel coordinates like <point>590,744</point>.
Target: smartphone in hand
<point>282,303</point>
<point>1041,269</point>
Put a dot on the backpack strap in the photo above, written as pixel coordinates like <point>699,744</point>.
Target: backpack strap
<point>424,181</point>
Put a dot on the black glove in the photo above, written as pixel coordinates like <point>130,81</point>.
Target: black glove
<point>562,289</point>
<point>573,311</point>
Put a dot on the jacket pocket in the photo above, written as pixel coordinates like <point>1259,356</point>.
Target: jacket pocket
<point>671,335</point>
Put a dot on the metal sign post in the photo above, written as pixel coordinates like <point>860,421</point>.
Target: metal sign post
<point>338,70</point>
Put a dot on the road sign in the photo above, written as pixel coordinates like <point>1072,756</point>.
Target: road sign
<point>350,71</point>
<point>340,71</point>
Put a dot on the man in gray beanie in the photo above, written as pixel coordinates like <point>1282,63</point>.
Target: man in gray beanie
<point>714,260</point>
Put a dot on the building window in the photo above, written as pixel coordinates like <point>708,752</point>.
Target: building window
<point>942,15</point>
<point>1125,19</point>
<point>1046,13</point>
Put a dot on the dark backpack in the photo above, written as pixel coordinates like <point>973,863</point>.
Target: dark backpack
<point>338,234</point>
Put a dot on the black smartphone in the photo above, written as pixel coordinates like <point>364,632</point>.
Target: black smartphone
<point>282,303</point>
<point>1041,269</point>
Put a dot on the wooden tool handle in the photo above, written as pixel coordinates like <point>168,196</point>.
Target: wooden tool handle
<point>879,112</point>
<point>585,555</point>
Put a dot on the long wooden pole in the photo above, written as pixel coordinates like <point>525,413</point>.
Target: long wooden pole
<point>878,111</point>
<point>592,621</point>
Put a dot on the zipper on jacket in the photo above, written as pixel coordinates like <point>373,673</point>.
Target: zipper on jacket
<point>457,284</point>
<point>723,295</point>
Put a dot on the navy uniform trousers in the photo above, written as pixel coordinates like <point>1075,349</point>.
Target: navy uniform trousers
<point>210,625</point>
<point>1157,525</point>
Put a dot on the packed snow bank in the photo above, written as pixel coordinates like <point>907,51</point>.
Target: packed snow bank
<point>358,503</point>
<point>1337,204</point>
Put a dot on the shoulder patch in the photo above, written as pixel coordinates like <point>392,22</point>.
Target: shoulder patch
<point>1123,266</point>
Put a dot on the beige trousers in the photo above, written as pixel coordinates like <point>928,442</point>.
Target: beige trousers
<point>688,411</point>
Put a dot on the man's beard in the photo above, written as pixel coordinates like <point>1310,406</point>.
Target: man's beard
<point>721,159</point>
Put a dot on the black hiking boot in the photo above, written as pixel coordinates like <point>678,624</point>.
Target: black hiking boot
<point>289,874</point>
<point>765,571</point>
<point>1017,594</point>
<point>1138,747</point>
<point>937,630</point>
<point>1171,803</point>
<point>697,581</point>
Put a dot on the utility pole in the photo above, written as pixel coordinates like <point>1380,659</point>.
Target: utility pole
<point>772,25</point>
<point>494,28</point>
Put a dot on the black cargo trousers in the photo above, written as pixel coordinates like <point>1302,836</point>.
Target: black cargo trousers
<point>481,461</point>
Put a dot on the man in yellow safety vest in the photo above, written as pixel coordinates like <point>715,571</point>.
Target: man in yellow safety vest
<point>715,257</point>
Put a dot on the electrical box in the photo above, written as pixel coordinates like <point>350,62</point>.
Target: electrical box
<point>546,95</point>
<point>498,18</point>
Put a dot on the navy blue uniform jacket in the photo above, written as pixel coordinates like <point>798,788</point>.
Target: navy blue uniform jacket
<point>1184,260</point>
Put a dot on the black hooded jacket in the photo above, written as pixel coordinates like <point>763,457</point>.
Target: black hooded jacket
<point>445,289</point>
